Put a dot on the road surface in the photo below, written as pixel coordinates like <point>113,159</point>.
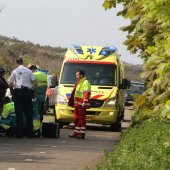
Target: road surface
<point>62,153</point>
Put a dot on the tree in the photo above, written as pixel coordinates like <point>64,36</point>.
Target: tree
<point>149,35</point>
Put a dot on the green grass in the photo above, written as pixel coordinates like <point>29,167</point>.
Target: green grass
<point>143,147</point>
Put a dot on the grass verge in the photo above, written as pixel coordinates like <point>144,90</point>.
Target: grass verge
<point>143,147</point>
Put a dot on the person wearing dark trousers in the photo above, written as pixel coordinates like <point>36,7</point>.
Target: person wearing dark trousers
<point>20,82</point>
<point>3,88</point>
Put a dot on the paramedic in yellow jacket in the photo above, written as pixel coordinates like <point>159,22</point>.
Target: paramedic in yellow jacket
<point>8,118</point>
<point>82,90</point>
<point>41,79</point>
<point>8,114</point>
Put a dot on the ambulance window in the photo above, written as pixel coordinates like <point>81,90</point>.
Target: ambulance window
<point>97,74</point>
<point>68,74</point>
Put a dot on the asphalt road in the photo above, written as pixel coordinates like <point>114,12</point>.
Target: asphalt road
<point>61,153</point>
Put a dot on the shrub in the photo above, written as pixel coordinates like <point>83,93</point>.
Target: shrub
<point>145,146</point>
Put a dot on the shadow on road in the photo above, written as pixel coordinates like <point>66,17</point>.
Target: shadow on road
<point>98,127</point>
<point>95,127</point>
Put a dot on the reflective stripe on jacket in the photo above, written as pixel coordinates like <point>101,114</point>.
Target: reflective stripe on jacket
<point>82,93</point>
<point>41,79</point>
<point>4,126</point>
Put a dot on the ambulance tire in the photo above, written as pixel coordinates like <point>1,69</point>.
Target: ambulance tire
<point>63,123</point>
<point>115,127</point>
<point>66,123</point>
<point>122,115</point>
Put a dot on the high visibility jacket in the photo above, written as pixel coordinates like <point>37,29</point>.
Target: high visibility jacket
<point>41,78</point>
<point>82,93</point>
<point>7,115</point>
<point>8,108</point>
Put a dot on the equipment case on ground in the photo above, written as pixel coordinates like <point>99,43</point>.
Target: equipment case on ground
<point>50,130</point>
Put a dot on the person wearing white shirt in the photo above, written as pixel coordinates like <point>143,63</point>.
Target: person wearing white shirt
<point>20,83</point>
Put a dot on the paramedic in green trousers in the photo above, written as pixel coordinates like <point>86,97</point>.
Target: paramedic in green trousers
<point>41,79</point>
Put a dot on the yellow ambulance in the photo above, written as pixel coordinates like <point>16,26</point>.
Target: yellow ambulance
<point>104,70</point>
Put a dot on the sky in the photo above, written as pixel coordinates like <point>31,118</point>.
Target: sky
<point>62,23</point>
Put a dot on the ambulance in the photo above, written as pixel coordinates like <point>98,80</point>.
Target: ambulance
<point>104,69</point>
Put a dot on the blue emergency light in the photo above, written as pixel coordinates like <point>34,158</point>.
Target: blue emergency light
<point>78,49</point>
<point>106,51</point>
<point>112,48</point>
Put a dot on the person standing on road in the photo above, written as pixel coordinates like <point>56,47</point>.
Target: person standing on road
<point>20,82</point>
<point>3,88</point>
<point>41,79</point>
<point>81,92</point>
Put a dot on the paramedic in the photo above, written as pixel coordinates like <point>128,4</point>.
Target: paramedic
<point>41,79</point>
<point>82,90</point>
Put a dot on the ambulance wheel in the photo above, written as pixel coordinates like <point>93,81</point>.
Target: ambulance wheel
<point>61,125</point>
<point>122,115</point>
<point>115,127</point>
